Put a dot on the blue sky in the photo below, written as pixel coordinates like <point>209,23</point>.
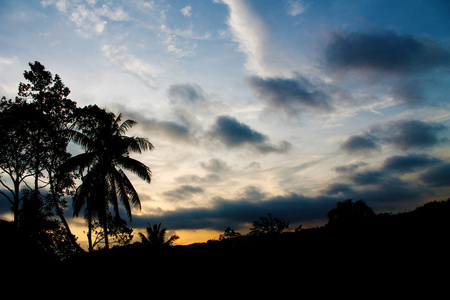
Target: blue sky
<point>255,107</point>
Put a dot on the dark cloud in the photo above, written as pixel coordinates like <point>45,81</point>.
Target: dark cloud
<point>183,192</point>
<point>175,131</point>
<point>403,135</point>
<point>339,189</point>
<point>185,93</point>
<point>409,163</point>
<point>391,192</point>
<point>209,178</point>
<point>357,144</point>
<point>5,205</point>
<point>410,91</point>
<point>290,95</point>
<point>409,67</point>
<point>172,130</point>
<point>215,165</point>
<point>383,187</point>
<point>379,188</point>
<point>411,134</point>
<point>438,176</point>
<point>349,168</point>
<point>368,177</point>
<point>384,51</point>
<point>235,134</point>
<point>236,213</point>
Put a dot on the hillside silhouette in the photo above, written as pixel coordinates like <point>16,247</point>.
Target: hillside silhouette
<point>417,237</point>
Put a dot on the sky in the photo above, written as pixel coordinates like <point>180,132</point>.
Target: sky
<point>254,107</point>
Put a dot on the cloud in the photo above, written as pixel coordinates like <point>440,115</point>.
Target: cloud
<point>186,94</point>
<point>403,135</point>
<point>186,11</point>
<point>290,95</point>
<point>236,213</point>
<point>295,8</point>
<point>335,189</point>
<point>385,186</point>
<point>380,187</point>
<point>438,176</point>
<point>410,68</point>
<point>90,20</point>
<point>174,131</point>
<point>233,134</point>
<point>384,51</point>
<point>131,64</point>
<point>368,177</point>
<point>209,178</point>
<point>170,129</point>
<point>409,163</point>
<point>250,32</point>
<point>359,144</point>
<point>183,192</point>
<point>413,134</point>
<point>215,165</point>
<point>349,168</point>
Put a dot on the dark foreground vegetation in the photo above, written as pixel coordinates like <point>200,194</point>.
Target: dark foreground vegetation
<point>363,243</point>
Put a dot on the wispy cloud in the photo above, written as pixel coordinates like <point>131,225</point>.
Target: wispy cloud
<point>131,64</point>
<point>89,19</point>
<point>186,11</point>
<point>295,8</point>
<point>250,32</point>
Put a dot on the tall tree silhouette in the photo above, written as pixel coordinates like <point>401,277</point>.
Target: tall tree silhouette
<point>49,140</point>
<point>107,149</point>
<point>17,118</point>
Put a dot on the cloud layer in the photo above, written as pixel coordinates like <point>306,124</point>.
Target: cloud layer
<point>237,213</point>
<point>384,51</point>
<point>292,95</point>
<point>233,134</point>
<point>403,135</point>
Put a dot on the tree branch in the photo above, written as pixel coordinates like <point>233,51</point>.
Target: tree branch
<point>7,197</point>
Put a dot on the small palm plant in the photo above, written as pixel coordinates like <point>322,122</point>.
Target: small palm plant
<point>156,236</point>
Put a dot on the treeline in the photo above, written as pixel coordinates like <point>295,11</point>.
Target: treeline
<point>353,239</point>
<point>38,174</point>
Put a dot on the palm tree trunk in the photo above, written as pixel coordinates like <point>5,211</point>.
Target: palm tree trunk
<point>89,235</point>
<point>105,232</point>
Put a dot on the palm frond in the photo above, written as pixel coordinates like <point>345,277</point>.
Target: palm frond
<point>144,239</point>
<point>127,190</point>
<point>124,192</point>
<point>123,128</point>
<point>136,167</point>
<point>78,162</point>
<point>137,144</point>
<point>81,139</point>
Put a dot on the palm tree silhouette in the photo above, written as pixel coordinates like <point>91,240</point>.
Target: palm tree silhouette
<point>102,135</point>
<point>156,236</point>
